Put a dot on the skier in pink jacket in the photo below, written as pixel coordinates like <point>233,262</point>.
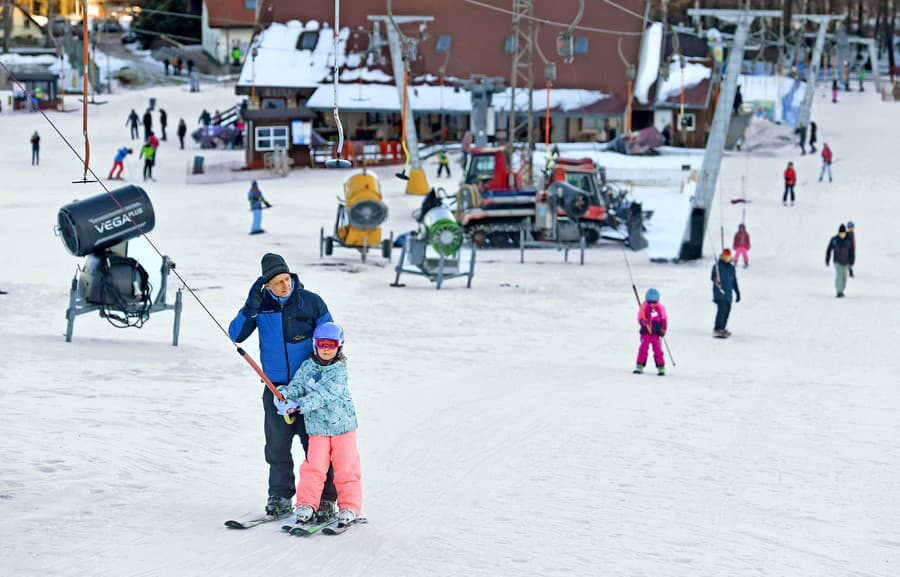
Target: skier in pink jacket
<point>741,245</point>
<point>652,318</point>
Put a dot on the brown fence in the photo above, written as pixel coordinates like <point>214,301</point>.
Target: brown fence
<point>361,152</point>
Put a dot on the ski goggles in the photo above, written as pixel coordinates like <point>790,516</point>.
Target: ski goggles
<point>327,344</point>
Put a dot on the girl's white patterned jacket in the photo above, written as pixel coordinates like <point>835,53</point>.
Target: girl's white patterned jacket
<point>323,397</point>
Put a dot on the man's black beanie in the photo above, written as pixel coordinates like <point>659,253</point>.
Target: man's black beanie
<point>273,265</point>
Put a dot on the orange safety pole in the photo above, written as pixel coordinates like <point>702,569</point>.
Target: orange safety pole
<point>547,120</point>
<point>403,122</point>
<point>628,117</point>
<point>84,90</point>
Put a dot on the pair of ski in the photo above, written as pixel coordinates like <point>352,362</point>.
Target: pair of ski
<point>328,526</point>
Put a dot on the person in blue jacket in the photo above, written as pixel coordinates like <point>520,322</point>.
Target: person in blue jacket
<point>286,315</point>
<point>724,279</point>
<point>257,203</point>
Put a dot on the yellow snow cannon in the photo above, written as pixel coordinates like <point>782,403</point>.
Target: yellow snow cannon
<point>360,215</point>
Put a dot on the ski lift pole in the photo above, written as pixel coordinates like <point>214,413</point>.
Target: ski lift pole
<point>289,419</point>
<point>403,175</point>
<point>337,162</point>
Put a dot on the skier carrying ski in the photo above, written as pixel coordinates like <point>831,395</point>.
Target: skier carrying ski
<point>724,278</point>
<point>117,163</point>
<point>653,321</point>
<point>286,315</point>
<point>826,162</point>
<point>257,203</point>
<point>741,245</point>
<point>319,392</point>
<point>790,179</point>
<point>841,247</point>
<point>851,234</point>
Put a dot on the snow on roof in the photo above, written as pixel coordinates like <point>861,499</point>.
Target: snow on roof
<point>648,68</point>
<point>694,74</point>
<point>279,63</point>
<point>426,97</point>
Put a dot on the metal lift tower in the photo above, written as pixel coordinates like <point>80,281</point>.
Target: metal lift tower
<point>692,245</point>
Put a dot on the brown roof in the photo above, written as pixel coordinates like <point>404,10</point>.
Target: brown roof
<point>478,35</point>
<point>229,14</point>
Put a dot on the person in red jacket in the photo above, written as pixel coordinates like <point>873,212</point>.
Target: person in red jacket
<point>790,179</point>
<point>741,245</point>
<point>826,162</point>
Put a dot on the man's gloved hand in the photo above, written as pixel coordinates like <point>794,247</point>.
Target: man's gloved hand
<point>256,296</point>
<point>737,297</point>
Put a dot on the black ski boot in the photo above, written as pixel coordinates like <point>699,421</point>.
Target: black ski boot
<point>277,506</point>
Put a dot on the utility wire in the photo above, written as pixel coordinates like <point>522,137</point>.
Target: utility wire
<point>552,22</point>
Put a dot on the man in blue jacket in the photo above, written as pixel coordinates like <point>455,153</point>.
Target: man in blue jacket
<point>286,315</point>
<point>724,279</point>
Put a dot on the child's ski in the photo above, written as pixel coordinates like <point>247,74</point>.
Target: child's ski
<point>339,528</point>
<point>306,529</point>
<point>254,521</point>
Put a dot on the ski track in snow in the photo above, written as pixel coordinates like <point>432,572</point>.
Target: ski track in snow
<point>501,430</point>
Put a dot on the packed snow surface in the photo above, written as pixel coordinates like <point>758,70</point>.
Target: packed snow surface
<point>501,429</point>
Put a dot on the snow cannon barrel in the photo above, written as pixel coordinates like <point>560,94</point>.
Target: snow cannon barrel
<point>444,234</point>
<point>571,200</point>
<point>99,222</point>
<point>362,196</point>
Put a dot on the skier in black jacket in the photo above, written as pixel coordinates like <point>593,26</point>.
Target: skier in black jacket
<point>724,279</point>
<point>841,246</point>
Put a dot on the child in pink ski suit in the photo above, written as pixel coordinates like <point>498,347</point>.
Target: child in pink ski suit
<point>652,318</point>
<point>741,245</point>
<point>319,391</point>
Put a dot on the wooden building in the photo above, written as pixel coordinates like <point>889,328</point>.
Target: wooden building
<point>287,78</point>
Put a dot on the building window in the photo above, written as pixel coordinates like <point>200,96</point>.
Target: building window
<point>271,137</point>
<point>581,45</point>
<point>509,45</point>
<point>688,121</point>
<point>442,44</point>
<point>308,40</point>
<point>250,4</point>
<point>273,103</point>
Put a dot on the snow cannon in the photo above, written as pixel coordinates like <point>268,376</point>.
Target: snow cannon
<point>360,215</point>
<point>444,234</point>
<point>435,249</point>
<point>100,222</point>
<point>110,281</point>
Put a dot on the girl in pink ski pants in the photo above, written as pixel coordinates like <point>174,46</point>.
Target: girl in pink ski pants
<point>653,322</point>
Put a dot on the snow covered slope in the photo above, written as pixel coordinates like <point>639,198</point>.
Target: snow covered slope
<point>501,430</point>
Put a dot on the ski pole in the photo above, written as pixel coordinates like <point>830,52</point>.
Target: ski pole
<point>668,350</point>
<point>289,419</point>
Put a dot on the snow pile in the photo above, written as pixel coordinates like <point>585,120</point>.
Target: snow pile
<point>763,134</point>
